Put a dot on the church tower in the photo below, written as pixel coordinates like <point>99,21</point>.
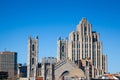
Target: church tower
<point>32,57</point>
<point>62,49</point>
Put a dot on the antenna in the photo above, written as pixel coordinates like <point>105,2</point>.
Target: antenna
<point>5,49</point>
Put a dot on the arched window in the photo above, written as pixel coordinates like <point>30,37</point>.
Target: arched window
<point>65,73</point>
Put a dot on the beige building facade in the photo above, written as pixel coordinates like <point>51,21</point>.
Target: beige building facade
<point>83,44</point>
<point>68,70</point>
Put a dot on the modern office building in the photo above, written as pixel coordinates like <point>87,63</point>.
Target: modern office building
<point>83,44</point>
<point>8,64</point>
<point>32,57</point>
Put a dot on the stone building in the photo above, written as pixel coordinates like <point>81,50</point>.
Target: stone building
<point>78,57</point>
<point>32,57</point>
<point>83,45</point>
<point>47,68</point>
<point>67,70</point>
<point>62,49</point>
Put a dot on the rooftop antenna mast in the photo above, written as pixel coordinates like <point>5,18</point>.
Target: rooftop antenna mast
<point>5,49</point>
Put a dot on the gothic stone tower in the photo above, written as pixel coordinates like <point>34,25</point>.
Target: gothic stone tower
<point>62,49</point>
<point>32,57</point>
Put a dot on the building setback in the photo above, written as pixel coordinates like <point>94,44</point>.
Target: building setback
<point>83,44</point>
<point>8,64</point>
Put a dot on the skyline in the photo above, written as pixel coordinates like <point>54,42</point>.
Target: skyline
<point>49,20</point>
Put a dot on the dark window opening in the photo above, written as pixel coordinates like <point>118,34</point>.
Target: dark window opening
<point>33,47</point>
<point>32,60</point>
<point>62,48</point>
<point>74,37</point>
<point>86,63</point>
<point>78,37</point>
<point>85,30</point>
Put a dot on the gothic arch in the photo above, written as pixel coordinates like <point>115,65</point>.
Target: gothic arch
<point>65,73</point>
<point>67,69</point>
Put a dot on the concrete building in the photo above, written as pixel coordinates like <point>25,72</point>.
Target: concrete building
<point>104,63</point>
<point>32,57</point>
<point>47,68</point>
<point>8,64</point>
<point>83,44</point>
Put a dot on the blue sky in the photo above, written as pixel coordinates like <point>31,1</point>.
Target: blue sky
<point>50,19</point>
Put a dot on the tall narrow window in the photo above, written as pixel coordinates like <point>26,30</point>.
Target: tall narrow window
<point>87,63</point>
<point>85,30</point>
<point>72,45</point>
<point>32,60</point>
<point>77,37</point>
<point>62,48</point>
<point>33,47</point>
<point>74,37</point>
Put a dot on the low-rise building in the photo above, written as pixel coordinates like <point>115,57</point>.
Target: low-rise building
<point>47,68</point>
<point>22,71</point>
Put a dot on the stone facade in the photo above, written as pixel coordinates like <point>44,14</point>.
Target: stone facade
<point>83,44</point>
<point>62,49</point>
<point>47,68</point>
<point>67,70</point>
<point>79,57</point>
<point>32,57</point>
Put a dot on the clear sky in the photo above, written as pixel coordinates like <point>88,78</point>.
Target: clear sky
<point>50,19</point>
